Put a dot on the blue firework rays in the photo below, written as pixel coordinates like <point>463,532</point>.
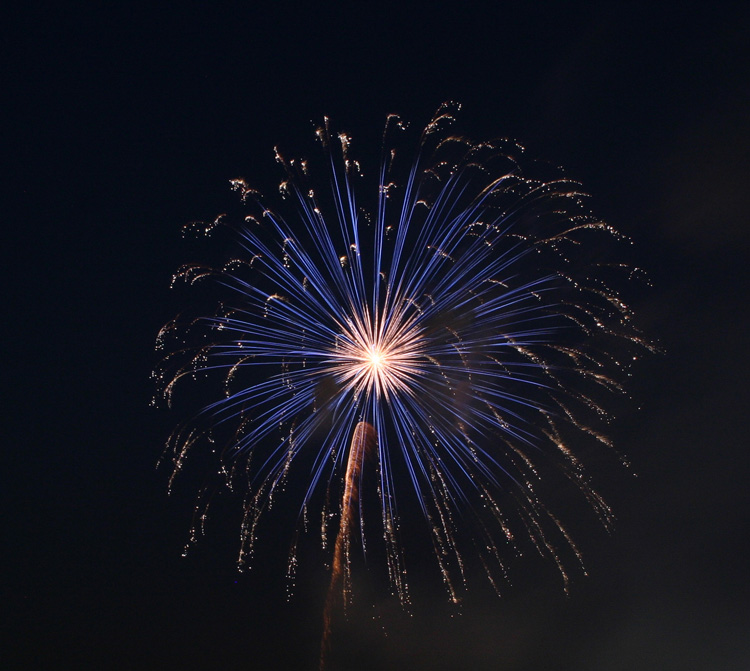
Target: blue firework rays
<point>457,307</point>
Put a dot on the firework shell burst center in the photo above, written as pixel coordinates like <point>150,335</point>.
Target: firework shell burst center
<point>380,364</point>
<point>460,311</point>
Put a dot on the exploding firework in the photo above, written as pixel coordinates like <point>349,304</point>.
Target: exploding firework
<point>451,318</point>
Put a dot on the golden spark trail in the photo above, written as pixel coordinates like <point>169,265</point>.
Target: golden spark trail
<point>362,440</point>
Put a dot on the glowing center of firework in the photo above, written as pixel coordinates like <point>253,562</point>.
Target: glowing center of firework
<point>376,359</point>
<point>375,367</point>
<point>384,364</point>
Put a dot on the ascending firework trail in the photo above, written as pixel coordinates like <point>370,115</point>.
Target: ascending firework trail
<point>362,442</point>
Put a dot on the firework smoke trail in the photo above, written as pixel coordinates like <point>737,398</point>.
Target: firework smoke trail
<point>362,442</point>
<point>467,313</point>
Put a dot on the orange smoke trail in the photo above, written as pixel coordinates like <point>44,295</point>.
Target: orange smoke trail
<point>362,440</point>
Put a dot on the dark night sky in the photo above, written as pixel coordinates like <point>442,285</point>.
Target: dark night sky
<point>121,124</point>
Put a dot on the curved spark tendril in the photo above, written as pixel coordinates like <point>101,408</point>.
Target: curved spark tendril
<point>464,315</point>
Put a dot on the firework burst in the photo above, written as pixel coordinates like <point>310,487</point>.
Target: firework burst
<point>451,319</point>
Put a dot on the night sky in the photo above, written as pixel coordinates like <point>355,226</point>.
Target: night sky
<point>122,124</point>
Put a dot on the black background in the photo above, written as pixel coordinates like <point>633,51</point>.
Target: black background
<point>123,123</point>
